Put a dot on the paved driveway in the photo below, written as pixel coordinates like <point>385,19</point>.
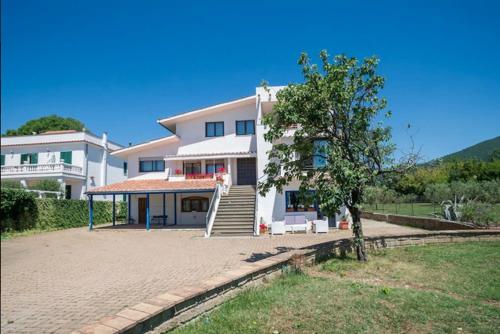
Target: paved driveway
<point>59,281</point>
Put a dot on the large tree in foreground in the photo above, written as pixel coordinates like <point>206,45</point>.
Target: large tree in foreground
<point>335,113</point>
<point>46,123</point>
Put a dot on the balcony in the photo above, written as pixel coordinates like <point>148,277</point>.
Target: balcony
<point>53,169</point>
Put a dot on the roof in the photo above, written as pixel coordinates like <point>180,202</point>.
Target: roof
<point>52,132</point>
<point>148,144</point>
<point>170,122</point>
<point>58,137</point>
<point>154,186</point>
<point>216,155</point>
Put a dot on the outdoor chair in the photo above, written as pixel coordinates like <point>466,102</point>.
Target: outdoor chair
<point>278,227</point>
<point>320,226</point>
<point>296,223</point>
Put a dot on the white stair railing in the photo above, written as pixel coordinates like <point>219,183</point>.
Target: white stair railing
<point>212,210</point>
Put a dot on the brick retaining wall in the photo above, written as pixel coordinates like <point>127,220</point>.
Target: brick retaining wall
<point>433,224</point>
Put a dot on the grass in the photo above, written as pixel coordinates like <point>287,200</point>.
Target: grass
<point>14,234</point>
<point>417,209</point>
<point>420,289</point>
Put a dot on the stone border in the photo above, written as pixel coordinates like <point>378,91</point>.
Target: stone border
<point>159,310</point>
<point>427,223</point>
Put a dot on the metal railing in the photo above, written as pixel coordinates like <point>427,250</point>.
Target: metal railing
<point>212,210</point>
<point>42,168</point>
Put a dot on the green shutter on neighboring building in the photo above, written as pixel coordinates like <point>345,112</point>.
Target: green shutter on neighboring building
<point>29,158</point>
<point>67,157</point>
<point>2,159</point>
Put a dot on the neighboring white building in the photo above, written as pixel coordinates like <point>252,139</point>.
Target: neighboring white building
<point>80,161</point>
<point>175,176</point>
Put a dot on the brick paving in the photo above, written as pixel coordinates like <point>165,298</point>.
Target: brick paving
<point>60,281</point>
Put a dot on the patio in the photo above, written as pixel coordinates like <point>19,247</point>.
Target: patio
<point>84,276</point>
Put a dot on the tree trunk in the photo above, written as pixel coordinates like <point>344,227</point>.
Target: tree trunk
<point>357,229</point>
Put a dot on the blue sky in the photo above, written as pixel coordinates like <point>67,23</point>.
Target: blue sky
<point>120,65</point>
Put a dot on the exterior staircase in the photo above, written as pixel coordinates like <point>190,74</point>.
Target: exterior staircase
<point>236,212</point>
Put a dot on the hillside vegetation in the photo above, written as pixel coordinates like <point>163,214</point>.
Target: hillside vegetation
<point>481,151</point>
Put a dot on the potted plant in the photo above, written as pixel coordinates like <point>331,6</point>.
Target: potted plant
<point>178,171</point>
<point>344,223</point>
<point>263,228</point>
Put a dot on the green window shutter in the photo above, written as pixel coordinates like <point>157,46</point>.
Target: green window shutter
<point>67,157</point>
<point>34,158</point>
<point>24,158</point>
<point>2,159</point>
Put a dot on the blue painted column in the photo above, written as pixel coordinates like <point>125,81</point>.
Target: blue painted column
<point>164,218</point>
<point>147,212</point>
<point>114,210</point>
<point>129,215</point>
<point>175,208</point>
<point>91,212</point>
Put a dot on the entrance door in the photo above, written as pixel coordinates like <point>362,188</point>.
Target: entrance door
<point>246,171</point>
<point>142,211</point>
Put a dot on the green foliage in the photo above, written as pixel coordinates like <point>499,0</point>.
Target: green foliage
<point>482,214</point>
<point>18,210</point>
<point>46,123</point>
<point>484,151</point>
<point>46,185</point>
<point>11,184</point>
<point>61,214</point>
<point>338,104</point>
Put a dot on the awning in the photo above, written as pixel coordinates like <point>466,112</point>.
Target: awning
<point>154,186</point>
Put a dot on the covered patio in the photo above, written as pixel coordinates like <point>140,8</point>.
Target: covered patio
<point>158,202</point>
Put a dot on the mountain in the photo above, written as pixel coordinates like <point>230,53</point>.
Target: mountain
<point>481,151</point>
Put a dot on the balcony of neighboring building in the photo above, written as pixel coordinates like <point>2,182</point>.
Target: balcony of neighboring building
<point>49,169</point>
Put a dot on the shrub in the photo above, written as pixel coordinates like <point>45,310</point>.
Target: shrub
<point>11,184</point>
<point>478,213</point>
<point>46,185</point>
<point>18,210</point>
<point>67,213</point>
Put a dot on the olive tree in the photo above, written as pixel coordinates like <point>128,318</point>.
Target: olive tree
<point>334,114</point>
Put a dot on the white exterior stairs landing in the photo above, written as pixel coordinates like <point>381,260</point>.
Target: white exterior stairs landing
<point>236,212</point>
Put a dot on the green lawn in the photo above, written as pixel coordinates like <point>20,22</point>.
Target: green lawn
<point>420,289</point>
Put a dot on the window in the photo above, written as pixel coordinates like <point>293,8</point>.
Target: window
<point>66,157</point>
<point>151,166</point>
<point>295,202</point>
<point>125,168</point>
<point>2,159</point>
<point>192,168</point>
<point>29,158</point>
<point>198,204</point>
<point>245,128</point>
<point>320,147</point>
<point>67,191</point>
<point>215,167</point>
<point>214,129</point>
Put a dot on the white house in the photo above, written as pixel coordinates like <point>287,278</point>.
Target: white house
<point>80,161</point>
<point>174,179</point>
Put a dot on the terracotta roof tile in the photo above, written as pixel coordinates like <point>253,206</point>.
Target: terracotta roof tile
<point>157,185</point>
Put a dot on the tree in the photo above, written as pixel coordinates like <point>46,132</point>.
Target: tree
<point>334,113</point>
<point>46,123</point>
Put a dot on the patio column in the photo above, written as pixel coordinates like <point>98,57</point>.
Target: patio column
<point>129,208</point>
<point>147,213</point>
<point>114,210</point>
<point>164,218</point>
<point>91,212</point>
<point>175,208</point>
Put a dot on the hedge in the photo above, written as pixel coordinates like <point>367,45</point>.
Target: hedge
<point>18,210</point>
<point>21,211</point>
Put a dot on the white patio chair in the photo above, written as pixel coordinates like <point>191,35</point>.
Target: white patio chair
<point>278,227</point>
<point>321,226</point>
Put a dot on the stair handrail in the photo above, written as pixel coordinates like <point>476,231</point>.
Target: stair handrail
<point>212,210</point>
<point>256,229</point>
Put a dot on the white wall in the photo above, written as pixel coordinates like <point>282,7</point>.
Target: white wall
<point>47,153</point>
<point>192,132</point>
<point>156,208</point>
